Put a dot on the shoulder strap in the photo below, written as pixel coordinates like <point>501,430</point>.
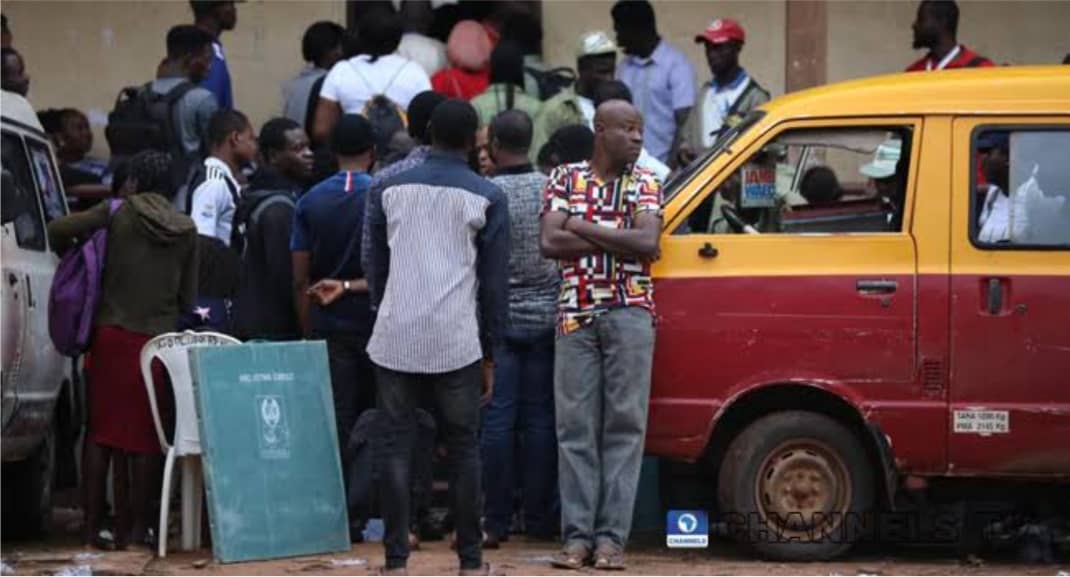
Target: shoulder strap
<point>395,77</point>
<point>751,87</point>
<point>232,189</point>
<point>280,198</point>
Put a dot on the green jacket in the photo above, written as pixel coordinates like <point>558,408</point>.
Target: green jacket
<point>495,100</point>
<point>560,111</point>
<point>150,269</point>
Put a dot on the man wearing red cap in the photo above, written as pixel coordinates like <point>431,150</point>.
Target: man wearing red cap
<point>731,93</point>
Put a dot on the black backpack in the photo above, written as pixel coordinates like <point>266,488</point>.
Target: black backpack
<point>386,116</point>
<point>552,81</point>
<point>145,120</point>
<point>247,214</point>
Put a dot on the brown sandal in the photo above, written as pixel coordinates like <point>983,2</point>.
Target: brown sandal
<point>572,557</point>
<point>609,558</point>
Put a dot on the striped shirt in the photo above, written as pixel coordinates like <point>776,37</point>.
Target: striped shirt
<point>215,200</point>
<point>437,267</point>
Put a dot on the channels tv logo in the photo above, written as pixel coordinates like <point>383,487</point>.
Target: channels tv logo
<point>687,530</point>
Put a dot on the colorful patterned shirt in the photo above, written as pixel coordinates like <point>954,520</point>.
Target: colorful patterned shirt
<point>601,282</point>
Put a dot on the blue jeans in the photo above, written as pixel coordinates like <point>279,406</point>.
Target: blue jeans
<point>521,415</point>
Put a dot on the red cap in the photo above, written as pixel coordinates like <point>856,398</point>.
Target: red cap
<point>722,30</point>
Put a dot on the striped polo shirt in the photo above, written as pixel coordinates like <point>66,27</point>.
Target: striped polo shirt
<point>437,265</point>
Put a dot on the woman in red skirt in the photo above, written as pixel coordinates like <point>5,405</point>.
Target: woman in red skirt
<point>149,276</point>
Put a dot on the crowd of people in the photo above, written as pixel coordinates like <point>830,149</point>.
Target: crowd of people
<point>470,233</point>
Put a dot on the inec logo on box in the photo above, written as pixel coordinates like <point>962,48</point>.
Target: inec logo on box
<point>687,530</point>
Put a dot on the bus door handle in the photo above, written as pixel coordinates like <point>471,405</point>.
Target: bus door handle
<point>708,251</point>
<point>994,298</point>
<point>876,287</point>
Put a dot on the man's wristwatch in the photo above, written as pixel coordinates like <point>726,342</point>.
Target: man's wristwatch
<point>345,285</point>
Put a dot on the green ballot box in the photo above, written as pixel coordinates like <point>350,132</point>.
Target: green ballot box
<point>270,450</point>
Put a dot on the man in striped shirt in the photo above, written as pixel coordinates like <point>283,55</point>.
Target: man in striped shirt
<point>437,266</point>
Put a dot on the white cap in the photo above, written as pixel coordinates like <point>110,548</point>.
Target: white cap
<point>885,160</point>
<point>594,43</point>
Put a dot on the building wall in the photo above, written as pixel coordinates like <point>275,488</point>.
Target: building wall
<point>81,53</point>
<point>678,22</point>
<point>868,38</point>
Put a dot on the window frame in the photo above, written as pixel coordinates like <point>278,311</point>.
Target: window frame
<point>38,146</point>
<point>914,123</point>
<point>40,217</point>
<point>973,226</point>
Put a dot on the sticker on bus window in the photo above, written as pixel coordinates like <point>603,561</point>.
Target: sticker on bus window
<point>982,422</point>
<point>759,186</point>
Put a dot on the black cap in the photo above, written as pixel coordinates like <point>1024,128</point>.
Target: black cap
<point>352,135</point>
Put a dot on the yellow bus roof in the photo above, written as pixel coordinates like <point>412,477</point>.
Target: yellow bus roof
<point>1000,90</point>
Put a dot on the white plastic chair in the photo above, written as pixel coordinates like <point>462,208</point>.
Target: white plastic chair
<point>173,351</point>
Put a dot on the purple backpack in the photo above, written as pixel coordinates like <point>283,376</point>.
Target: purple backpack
<point>72,302</point>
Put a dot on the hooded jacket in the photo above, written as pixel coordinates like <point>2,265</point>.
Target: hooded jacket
<point>150,269</point>
<point>264,305</point>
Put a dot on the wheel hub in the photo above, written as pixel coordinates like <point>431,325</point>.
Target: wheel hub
<point>803,489</point>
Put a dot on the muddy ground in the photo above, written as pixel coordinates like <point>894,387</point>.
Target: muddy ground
<point>62,554</point>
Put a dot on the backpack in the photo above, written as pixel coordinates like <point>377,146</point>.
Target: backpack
<point>145,120</point>
<point>247,214</point>
<point>386,116</point>
<point>75,292</point>
<point>552,81</point>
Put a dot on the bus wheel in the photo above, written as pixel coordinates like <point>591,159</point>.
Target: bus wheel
<point>796,486</point>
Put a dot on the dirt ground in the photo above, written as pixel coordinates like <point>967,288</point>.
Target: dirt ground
<point>63,555</point>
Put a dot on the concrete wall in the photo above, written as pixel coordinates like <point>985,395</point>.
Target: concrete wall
<point>679,22</point>
<point>81,53</point>
<point>867,38</point>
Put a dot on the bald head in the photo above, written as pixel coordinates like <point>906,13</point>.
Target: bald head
<point>618,132</point>
<point>615,111</point>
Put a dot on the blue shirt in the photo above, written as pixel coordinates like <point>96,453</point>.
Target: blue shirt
<point>218,80</point>
<point>661,84</point>
<point>328,224</point>
<point>437,267</point>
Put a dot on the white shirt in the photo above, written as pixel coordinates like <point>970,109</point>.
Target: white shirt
<point>429,53</point>
<point>351,83</point>
<point>995,217</point>
<point>717,102</point>
<point>213,202</point>
<point>646,160</point>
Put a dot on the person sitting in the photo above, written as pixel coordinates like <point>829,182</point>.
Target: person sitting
<point>995,220</point>
<point>820,187</point>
